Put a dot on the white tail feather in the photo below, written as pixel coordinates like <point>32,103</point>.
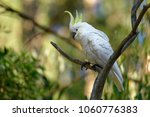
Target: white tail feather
<point>118,79</point>
<point>118,83</point>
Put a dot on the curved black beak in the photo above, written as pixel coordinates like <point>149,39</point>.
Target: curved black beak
<point>73,34</point>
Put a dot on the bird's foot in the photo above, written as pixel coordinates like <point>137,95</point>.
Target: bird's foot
<point>94,67</point>
<point>86,65</point>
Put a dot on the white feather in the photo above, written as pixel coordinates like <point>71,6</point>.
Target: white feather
<point>96,45</point>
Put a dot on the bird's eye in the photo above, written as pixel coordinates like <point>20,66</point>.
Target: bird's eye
<point>76,29</point>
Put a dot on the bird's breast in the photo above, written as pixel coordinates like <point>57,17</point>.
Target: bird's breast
<point>89,52</point>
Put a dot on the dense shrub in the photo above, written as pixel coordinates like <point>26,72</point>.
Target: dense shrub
<point>21,76</point>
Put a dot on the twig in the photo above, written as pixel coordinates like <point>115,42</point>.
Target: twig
<point>100,80</point>
<point>44,28</point>
<point>135,7</point>
<point>145,8</point>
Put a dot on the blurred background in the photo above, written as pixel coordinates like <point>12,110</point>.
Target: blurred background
<point>31,68</point>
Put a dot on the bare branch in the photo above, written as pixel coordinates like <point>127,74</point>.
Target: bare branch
<point>100,80</point>
<point>44,28</point>
<point>65,55</point>
<point>145,8</point>
<point>135,7</point>
<point>77,61</point>
<point>129,42</point>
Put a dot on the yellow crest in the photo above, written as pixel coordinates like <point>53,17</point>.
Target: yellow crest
<point>75,20</point>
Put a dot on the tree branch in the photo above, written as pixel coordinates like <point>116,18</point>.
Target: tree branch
<point>135,7</point>
<point>100,80</point>
<point>44,28</point>
<point>77,61</point>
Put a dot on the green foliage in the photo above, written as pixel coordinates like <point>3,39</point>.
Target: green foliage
<point>144,89</point>
<point>76,91</point>
<point>21,76</point>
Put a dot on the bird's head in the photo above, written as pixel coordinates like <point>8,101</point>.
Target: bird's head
<point>77,26</point>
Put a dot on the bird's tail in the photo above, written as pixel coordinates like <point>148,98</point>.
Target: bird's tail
<point>118,79</point>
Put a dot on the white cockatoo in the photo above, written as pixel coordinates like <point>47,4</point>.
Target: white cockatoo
<point>96,46</point>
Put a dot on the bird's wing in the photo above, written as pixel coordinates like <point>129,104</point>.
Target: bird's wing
<point>103,50</point>
<point>100,46</point>
<point>102,34</point>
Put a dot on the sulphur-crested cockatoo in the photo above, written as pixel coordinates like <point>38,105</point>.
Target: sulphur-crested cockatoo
<point>96,46</point>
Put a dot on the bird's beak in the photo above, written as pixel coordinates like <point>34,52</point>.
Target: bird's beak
<point>73,34</point>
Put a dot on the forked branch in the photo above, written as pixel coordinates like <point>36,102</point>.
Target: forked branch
<point>100,80</point>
